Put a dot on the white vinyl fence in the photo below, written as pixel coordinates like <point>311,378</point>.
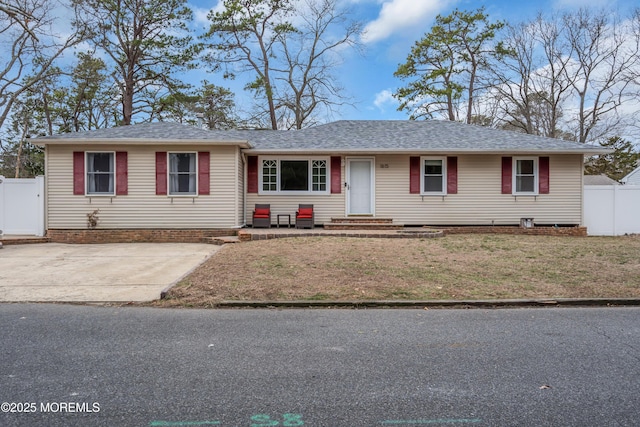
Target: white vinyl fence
<point>612,210</point>
<point>22,206</point>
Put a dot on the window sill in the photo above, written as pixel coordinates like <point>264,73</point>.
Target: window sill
<point>294,193</point>
<point>432,196</point>
<point>525,196</point>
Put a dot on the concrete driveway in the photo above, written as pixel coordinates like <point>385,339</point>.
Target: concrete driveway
<point>122,272</point>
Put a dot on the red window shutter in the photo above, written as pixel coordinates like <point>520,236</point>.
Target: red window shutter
<point>414,175</point>
<point>161,173</point>
<point>203,172</point>
<point>452,175</point>
<point>507,171</point>
<point>122,173</point>
<point>543,172</point>
<point>336,175</point>
<point>252,174</point>
<point>78,173</point>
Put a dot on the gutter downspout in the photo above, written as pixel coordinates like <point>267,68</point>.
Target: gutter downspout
<point>244,188</point>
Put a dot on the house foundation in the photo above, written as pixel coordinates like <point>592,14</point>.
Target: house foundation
<point>138,235</point>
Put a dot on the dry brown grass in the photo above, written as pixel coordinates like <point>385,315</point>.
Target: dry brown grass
<point>453,267</point>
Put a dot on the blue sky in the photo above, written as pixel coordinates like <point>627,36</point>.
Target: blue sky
<point>392,28</point>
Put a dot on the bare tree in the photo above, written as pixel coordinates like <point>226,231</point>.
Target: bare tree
<point>604,50</point>
<point>19,15</point>
<point>244,34</point>
<point>569,75</point>
<point>26,121</point>
<point>309,85</point>
<point>531,83</point>
<point>25,27</point>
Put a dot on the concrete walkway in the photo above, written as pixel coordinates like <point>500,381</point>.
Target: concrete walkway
<point>122,272</point>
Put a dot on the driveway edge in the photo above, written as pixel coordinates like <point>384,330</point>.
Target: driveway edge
<point>165,291</point>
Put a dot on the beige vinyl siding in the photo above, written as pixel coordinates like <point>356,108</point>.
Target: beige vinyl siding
<point>479,200</point>
<point>142,208</point>
<point>325,206</point>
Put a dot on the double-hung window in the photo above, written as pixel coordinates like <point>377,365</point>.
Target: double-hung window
<point>434,173</point>
<point>525,174</point>
<point>294,176</point>
<point>183,174</point>
<point>100,173</point>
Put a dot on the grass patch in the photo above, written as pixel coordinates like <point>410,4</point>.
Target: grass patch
<point>454,267</point>
<point>319,297</point>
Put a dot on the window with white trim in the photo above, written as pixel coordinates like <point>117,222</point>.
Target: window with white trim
<point>100,173</point>
<point>270,175</point>
<point>433,173</point>
<point>525,175</point>
<point>319,175</point>
<point>294,175</point>
<point>183,174</point>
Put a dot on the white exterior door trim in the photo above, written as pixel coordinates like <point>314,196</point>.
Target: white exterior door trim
<point>371,181</point>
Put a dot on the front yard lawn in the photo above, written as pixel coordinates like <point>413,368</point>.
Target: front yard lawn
<point>459,267</point>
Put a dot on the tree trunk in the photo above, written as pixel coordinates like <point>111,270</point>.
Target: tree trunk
<point>127,102</point>
<point>47,113</point>
<point>272,106</point>
<point>19,155</point>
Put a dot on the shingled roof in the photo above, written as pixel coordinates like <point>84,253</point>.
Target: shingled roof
<point>599,180</point>
<point>164,132</point>
<point>409,136</point>
<point>346,136</point>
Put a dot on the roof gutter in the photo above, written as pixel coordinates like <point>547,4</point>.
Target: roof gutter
<point>139,141</point>
<point>443,151</point>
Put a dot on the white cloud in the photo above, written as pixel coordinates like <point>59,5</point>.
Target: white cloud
<point>385,99</point>
<point>200,14</point>
<point>400,16</point>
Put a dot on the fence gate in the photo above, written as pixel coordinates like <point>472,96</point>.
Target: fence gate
<point>612,210</point>
<point>22,206</point>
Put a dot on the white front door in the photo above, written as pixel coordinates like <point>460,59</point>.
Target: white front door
<point>360,191</point>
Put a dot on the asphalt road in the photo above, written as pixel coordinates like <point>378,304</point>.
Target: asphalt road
<point>63,365</point>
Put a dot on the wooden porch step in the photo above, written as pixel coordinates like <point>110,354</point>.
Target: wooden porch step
<point>361,220</point>
<point>222,240</point>
<point>362,226</point>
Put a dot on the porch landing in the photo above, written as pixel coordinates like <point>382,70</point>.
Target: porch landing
<point>248,234</point>
<point>401,232</point>
<point>362,223</point>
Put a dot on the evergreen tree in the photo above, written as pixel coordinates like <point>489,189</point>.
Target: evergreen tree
<point>447,65</point>
<point>615,165</point>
